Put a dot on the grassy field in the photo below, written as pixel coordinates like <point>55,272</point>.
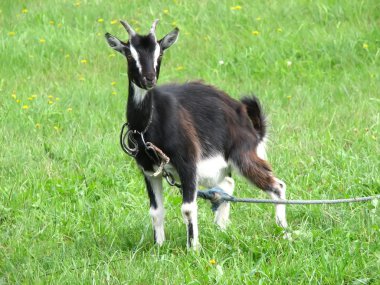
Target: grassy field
<point>73,207</point>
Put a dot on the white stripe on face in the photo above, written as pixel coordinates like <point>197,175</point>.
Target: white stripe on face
<point>135,56</point>
<point>156,55</point>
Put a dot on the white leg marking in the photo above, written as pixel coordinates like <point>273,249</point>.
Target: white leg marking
<point>280,208</point>
<point>190,215</point>
<point>139,94</point>
<point>158,214</point>
<point>223,212</point>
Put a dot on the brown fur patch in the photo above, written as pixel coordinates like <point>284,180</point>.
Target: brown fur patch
<point>190,133</point>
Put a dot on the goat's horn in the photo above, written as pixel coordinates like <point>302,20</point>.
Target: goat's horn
<point>129,29</point>
<point>153,28</point>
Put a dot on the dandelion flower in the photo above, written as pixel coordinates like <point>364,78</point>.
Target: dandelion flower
<point>212,261</point>
<point>57,99</point>
<point>25,107</point>
<point>365,46</point>
<point>255,33</point>
<point>113,83</point>
<point>24,11</point>
<point>289,97</point>
<point>14,95</point>
<point>84,61</point>
<point>38,126</point>
<point>180,67</point>
<point>235,8</point>
<point>174,23</point>
<point>42,40</point>
<point>11,34</point>
<point>77,4</point>
<point>30,98</point>
<point>50,102</point>
<point>18,101</point>
<point>34,96</point>
<point>50,96</point>
<point>114,93</point>
<point>69,109</point>
<point>166,11</point>
<point>113,22</point>
<point>100,20</point>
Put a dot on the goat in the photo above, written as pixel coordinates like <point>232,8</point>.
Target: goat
<point>203,131</point>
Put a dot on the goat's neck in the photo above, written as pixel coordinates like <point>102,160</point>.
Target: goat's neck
<point>139,107</point>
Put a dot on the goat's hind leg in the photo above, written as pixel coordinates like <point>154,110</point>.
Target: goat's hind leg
<point>157,211</point>
<point>258,171</point>
<point>222,213</point>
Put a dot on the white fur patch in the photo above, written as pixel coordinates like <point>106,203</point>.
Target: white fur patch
<point>223,212</point>
<point>156,55</point>
<point>280,208</point>
<point>135,56</point>
<point>211,171</point>
<point>139,94</point>
<point>158,214</point>
<point>261,150</point>
<point>190,215</point>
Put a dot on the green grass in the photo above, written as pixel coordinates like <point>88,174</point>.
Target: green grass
<point>73,208</point>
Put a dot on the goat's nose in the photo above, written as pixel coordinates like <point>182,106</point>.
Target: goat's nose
<point>150,77</point>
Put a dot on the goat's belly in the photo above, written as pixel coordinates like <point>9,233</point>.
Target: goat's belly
<point>210,171</point>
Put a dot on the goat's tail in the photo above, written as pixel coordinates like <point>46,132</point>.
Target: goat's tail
<point>256,114</point>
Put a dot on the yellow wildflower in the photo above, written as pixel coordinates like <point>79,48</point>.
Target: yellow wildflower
<point>51,22</point>
<point>212,261</point>
<point>42,40</point>
<point>84,61</point>
<point>69,109</point>
<point>50,102</point>
<point>365,46</point>
<point>255,33</point>
<point>24,11</point>
<point>180,67</point>
<point>166,11</point>
<point>18,101</point>
<point>112,55</point>
<point>14,95</point>
<point>289,97</point>
<point>81,78</point>
<point>57,99</point>
<point>38,126</point>
<point>113,22</point>
<point>77,4</point>
<point>98,34</point>
<point>34,96</point>
<point>30,98</point>
<point>174,23</point>
<point>50,96</point>
<point>113,83</point>
<point>59,25</point>
<point>235,8</point>
<point>11,34</point>
<point>25,107</point>
<point>56,128</point>
<point>100,20</point>
<point>113,93</point>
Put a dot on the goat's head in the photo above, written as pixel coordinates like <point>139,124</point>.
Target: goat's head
<point>143,53</point>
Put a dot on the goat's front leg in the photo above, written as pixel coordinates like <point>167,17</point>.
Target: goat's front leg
<point>157,211</point>
<point>189,208</point>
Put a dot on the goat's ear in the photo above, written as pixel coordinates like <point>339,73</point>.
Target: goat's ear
<point>115,43</point>
<point>169,39</point>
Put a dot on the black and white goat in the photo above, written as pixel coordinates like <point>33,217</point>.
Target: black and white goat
<point>203,131</point>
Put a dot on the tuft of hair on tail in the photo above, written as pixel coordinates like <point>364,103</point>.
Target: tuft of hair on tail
<point>256,114</point>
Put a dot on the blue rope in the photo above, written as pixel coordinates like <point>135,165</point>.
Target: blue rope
<point>217,196</point>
